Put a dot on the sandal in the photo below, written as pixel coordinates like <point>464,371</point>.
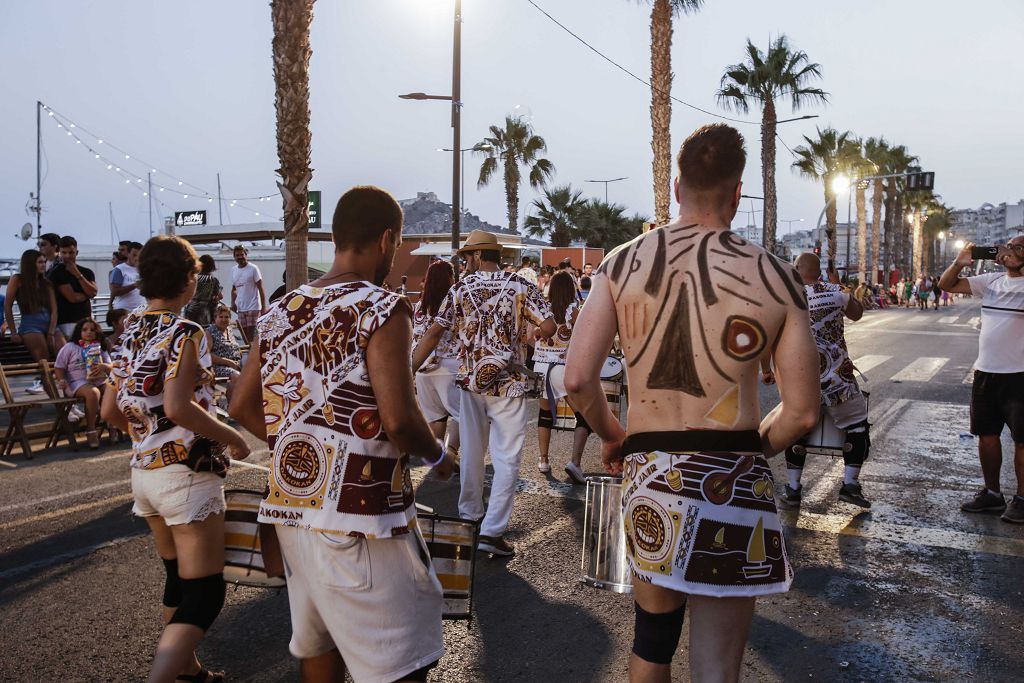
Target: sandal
<point>203,676</point>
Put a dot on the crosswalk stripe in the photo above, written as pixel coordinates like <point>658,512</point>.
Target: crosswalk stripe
<point>946,320</point>
<point>866,363</point>
<point>975,321</point>
<point>920,370</point>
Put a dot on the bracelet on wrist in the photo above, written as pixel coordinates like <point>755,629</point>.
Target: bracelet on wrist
<point>444,453</point>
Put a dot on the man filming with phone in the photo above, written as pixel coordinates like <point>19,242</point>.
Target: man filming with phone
<point>997,396</point>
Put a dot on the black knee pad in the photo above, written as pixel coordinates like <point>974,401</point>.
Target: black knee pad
<point>859,438</point>
<point>581,423</point>
<point>172,584</point>
<point>656,636</point>
<point>545,419</point>
<point>201,601</point>
<point>796,456</point>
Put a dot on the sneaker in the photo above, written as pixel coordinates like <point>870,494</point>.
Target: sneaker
<point>543,466</point>
<point>851,493</point>
<point>1015,511</point>
<point>984,501</point>
<point>75,414</point>
<point>36,388</point>
<point>791,499</point>
<point>575,473</point>
<point>496,546</point>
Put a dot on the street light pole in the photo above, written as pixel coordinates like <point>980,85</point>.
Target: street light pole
<point>610,180</point>
<point>456,134</point>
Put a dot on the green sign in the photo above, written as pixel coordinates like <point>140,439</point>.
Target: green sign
<point>314,210</point>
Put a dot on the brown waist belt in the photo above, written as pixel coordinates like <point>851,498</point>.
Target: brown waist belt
<point>693,440</point>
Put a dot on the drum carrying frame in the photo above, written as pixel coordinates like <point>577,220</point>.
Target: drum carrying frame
<point>424,517</point>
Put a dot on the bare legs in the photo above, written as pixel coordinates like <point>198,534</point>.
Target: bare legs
<point>199,547</point>
<point>718,635</point>
<point>36,344</point>
<point>90,395</point>
<point>326,668</point>
<point>990,452</point>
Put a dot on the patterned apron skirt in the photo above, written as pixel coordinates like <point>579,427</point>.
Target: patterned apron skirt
<point>700,516</point>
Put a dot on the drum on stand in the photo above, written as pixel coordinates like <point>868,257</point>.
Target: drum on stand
<point>613,382</point>
<point>252,556</point>
<point>452,545</point>
<point>604,564</point>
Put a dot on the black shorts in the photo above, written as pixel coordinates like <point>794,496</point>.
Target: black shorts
<point>997,399</point>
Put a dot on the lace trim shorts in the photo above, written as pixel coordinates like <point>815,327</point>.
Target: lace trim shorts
<point>177,494</point>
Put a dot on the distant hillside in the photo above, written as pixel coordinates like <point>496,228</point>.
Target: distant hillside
<point>427,215</point>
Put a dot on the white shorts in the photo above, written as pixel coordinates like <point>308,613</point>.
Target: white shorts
<point>177,494</point>
<point>436,391</point>
<point>554,378</point>
<point>378,601</point>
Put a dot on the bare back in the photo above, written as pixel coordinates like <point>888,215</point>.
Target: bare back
<point>696,309</point>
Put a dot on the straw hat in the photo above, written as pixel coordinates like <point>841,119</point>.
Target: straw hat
<point>480,240</point>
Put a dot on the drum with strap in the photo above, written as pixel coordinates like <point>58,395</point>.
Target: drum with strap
<point>452,545</point>
<point>252,556</point>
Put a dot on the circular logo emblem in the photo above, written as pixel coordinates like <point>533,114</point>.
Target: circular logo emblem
<point>649,528</point>
<point>301,466</point>
<point>366,423</point>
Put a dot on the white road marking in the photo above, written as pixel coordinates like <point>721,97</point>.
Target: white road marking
<point>113,456</point>
<point>975,322</point>
<point>866,363</point>
<point>920,370</point>
<point>8,464</point>
<point>927,333</point>
<point>946,320</point>
<point>63,496</point>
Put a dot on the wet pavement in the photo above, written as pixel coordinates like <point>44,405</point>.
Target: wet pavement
<point>913,590</point>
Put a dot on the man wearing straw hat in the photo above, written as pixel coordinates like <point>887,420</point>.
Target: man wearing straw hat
<point>489,310</point>
<point>695,307</point>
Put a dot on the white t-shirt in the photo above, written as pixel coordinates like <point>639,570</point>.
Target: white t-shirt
<point>124,275</point>
<point>1000,347</point>
<point>247,294</point>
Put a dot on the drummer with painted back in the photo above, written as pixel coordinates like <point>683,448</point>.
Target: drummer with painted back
<point>695,307</point>
<point>341,419</point>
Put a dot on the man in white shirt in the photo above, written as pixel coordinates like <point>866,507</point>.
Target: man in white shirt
<point>248,299</point>
<point>997,395</point>
<point>527,272</point>
<point>124,281</point>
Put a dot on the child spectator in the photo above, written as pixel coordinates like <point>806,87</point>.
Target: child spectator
<point>81,367</point>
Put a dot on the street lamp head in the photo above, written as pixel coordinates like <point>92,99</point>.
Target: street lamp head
<point>840,184</point>
<point>942,235</point>
<point>413,96</point>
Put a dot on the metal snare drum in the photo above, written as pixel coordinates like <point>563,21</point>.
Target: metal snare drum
<point>605,564</point>
<point>246,541</point>
<point>452,545</point>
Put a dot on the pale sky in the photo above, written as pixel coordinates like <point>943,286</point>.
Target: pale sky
<point>187,87</point>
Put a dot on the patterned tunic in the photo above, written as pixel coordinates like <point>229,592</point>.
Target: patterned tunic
<point>447,347</point>
<point>488,312</point>
<point>553,350</point>
<point>827,303</point>
<point>334,469</point>
<point>151,355</point>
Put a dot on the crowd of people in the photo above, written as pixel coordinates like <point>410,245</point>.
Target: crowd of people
<point>347,382</point>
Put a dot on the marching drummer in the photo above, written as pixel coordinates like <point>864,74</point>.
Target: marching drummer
<point>696,306</point>
<point>339,414</point>
<point>841,396</point>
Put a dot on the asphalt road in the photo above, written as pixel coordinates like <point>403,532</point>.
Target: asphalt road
<point>913,590</point>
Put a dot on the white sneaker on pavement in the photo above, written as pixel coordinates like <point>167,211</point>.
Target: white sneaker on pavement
<point>36,388</point>
<point>575,473</point>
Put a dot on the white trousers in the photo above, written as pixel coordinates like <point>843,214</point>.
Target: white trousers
<point>501,423</point>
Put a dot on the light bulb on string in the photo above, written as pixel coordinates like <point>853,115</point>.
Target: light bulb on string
<point>110,166</point>
<point>50,113</point>
<point>184,196</point>
<point>118,169</point>
<point>179,182</point>
<point>99,142</point>
<point>145,194</point>
<point>127,156</point>
<point>60,125</point>
<point>97,156</point>
<point>72,125</point>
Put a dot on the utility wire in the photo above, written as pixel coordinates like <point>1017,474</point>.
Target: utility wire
<point>630,73</point>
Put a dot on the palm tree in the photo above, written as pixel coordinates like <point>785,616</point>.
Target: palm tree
<point>824,159</point>
<point>940,219</point>
<point>662,14</point>
<point>860,167</point>
<point>897,160</point>
<point>606,226</point>
<point>292,20</point>
<point>557,215</point>
<point>514,145</point>
<point>876,151</point>
<point>765,79</point>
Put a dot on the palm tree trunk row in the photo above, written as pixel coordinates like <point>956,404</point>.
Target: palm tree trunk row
<point>862,233</point>
<point>661,106</point>
<point>876,230</point>
<point>768,118</point>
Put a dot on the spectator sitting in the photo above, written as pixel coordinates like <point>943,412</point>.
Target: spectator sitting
<point>81,367</point>
<point>224,350</point>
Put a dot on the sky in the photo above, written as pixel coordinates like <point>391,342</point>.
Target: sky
<point>186,87</point>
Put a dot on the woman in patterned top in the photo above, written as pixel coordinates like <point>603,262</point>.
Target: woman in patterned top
<point>208,293</point>
<point>436,391</point>
<point>227,356</point>
<point>549,357</point>
<point>161,396</point>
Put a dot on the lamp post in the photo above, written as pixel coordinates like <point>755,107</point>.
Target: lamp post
<point>462,154</point>
<point>456,99</point>
<point>610,180</point>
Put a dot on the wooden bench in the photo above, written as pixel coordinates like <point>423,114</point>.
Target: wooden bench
<point>19,405</point>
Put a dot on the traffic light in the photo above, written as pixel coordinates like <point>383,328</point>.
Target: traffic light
<point>817,248</point>
<point>921,181</point>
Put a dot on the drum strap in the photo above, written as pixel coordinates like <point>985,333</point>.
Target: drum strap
<point>692,441</point>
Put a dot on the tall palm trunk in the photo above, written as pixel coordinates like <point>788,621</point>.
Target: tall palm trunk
<point>889,260</point>
<point>862,232</point>
<point>876,231</point>
<point>661,105</point>
<point>292,20</point>
<point>512,192</point>
<point>768,118</point>
<point>899,228</point>
<point>830,217</point>
<point>918,241</point>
